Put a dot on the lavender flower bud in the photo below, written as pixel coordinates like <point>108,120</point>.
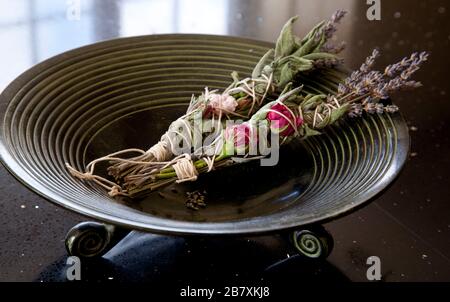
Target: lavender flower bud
<point>379,108</point>
<point>343,89</point>
<point>367,100</point>
<point>390,108</point>
<point>355,111</point>
<point>333,48</point>
<point>370,108</point>
<point>329,28</point>
<point>370,61</point>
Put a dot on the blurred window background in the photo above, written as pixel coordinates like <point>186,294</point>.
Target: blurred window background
<point>38,29</point>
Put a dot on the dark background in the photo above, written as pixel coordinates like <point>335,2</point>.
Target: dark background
<point>408,226</point>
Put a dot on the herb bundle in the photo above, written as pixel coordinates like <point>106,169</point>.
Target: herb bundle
<point>277,68</point>
<point>266,102</point>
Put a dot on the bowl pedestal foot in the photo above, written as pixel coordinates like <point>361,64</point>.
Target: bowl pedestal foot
<point>92,239</point>
<point>312,241</point>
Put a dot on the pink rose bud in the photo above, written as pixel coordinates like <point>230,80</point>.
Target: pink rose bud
<point>282,118</point>
<point>241,134</point>
<point>224,102</point>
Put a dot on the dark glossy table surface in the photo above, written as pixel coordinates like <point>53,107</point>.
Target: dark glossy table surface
<point>407,227</point>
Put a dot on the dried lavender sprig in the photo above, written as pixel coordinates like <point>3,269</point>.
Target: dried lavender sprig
<point>414,60</point>
<point>365,87</point>
<point>360,75</point>
<point>380,85</point>
<point>330,26</point>
<point>391,108</point>
<point>370,61</point>
<point>357,110</point>
<point>327,32</point>
<point>407,67</point>
<point>414,65</point>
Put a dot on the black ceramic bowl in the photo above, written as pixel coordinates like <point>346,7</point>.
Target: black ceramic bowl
<point>123,93</point>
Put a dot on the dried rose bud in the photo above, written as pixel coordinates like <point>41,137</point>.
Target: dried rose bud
<point>224,102</point>
<point>283,119</point>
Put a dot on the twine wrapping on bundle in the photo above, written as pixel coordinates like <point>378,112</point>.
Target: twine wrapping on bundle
<point>160,151</point>
<point>185,169</point>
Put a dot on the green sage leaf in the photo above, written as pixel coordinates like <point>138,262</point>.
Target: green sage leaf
<point>266,59</point>
<point>312,32</point>
<point>337,114</point>
<point>306,48</point>
<point>312,102</point>
<point>291,67</point>
<point>310,132</point>
<point>286,43</point>
<point>286,75</point>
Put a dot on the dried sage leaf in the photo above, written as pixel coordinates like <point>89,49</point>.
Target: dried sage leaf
<point>286,43</point>
<point>266,59</point>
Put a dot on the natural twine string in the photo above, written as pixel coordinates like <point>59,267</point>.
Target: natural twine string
<point>160,151</point>
<point>113,189</point>
<point>185,169</point>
